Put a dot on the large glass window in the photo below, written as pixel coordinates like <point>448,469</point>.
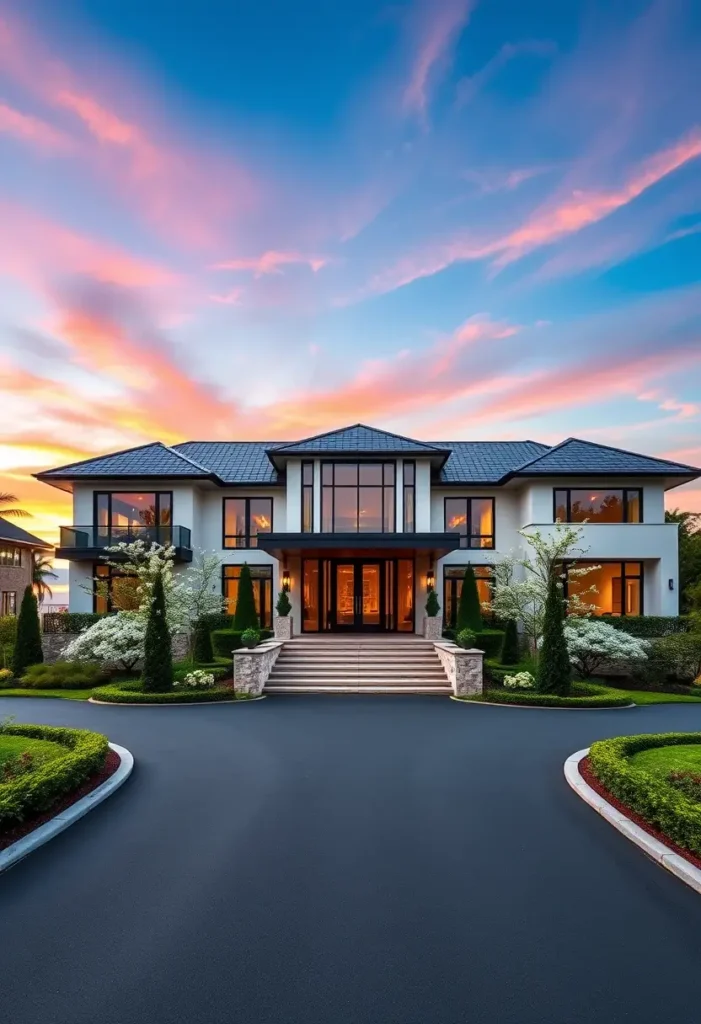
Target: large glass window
<point>409,497</point>
<point>114,591</point>
<point>130,515</point>
<point>307,497</point>
<point>358,497</point>
<point>473,519</point>
<point>262,577</point>
<point>9,602</point>
<point>10,555</point>
<point>598,506</point>
<point>453,576</point>
<point>244,519</point>
<point>619,587</point>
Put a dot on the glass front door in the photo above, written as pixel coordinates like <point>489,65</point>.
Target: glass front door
<point>357,595</point>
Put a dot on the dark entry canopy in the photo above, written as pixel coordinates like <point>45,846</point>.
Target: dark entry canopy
<point>438,544</point>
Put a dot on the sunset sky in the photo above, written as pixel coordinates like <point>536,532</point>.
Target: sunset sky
<point>451,218</point>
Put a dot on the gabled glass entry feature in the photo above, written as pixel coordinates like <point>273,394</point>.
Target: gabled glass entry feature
<point>358,497</point>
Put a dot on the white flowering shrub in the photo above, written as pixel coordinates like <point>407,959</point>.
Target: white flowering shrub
<point>520,681</point>
<point>593,643</point>
<point>197,680</point>
<point>116,638</point>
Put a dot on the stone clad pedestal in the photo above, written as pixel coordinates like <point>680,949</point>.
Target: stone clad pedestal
<point>283,627</point>
<point>433,627</point>
<point>464,668</point>
<point>253,665</point>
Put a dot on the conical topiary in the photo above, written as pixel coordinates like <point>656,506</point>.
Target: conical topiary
<point>202,651</point>
<point>554,661</point>
<point>245,616</point>
<point>469,612</point>
<point>28,649</point>
<point>510,650</point>
<point>157,673</point>
<point>432,606</point>
<point>284,605</point>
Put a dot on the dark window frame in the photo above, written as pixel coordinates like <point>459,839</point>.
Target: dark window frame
<point>459,580</point>
<point>625,491</point>
<point>307,488</point>
<point>17,560</point>
<point>412,489</point>
<point>247,536</point>
<point>110,527</point>
<point>624,576</point>
<point>111,574</point>
<point>469,537</point>
<point>265,572</point>
<point>382,487</point>
<point>5,608</point>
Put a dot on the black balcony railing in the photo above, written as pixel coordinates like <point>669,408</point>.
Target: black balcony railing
<point>91,537</point>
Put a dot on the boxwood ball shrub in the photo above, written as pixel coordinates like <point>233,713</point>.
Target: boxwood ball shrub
<point>466,638</point>
<point>226,641</point>
<point>64,675</point>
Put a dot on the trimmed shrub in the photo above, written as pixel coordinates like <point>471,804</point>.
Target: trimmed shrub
<point>69,622</point>
<point>202,641</point>
<point>134,693</point>
<point>284,605</point>
<point>64,675</point>
<point>519,681</point>
<point>432,604</point>
<point>510,648</point>
<point>650,795</point>
<point>28,649</point>
<point>245,616</point>
<point>554,662</point>
<point>469,611</point>
<point>679,654</point>
<point>157,673</point>
<point>490,641</point>
<point>37,790</point>
<point>494,671</point>
<point>466,638</point>
<point>648,627</point>
<point>582,695</point>
<point>250,638</point>
<point>224,641</point>
<point>8,629</point>
<point>593,645</point>
<point>6,677</point>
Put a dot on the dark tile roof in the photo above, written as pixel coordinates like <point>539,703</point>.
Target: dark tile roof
<point>486,461</point>
<point>12,532</point>
<point>575,456</point>
<point>154,459</point>
<point>358,438</point>
<point>234,462</point>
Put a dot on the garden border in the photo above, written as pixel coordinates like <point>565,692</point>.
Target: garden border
<point>657,851</point>
<point>537,707</point>
<point>173,703</point>
<point>44,833</point>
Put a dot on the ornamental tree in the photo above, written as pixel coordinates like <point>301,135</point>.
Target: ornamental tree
<point>592,643</point>
<point>245,615</point>
<point>157,673</point>
<point>28,650</point>
<point>116,639</point>
<point>469,614</point>
<point>554,664</point>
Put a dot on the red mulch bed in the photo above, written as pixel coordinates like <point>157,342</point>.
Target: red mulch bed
<point>591,780</point>
<point>23,828</point>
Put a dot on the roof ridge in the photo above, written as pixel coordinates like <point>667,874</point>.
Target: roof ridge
<point>364,426</point>
<point>31,538</point>
<point>186,458</point>
<point>537,458</point>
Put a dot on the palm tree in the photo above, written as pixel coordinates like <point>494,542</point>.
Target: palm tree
<point>42,569</point>
<point>10,500</point>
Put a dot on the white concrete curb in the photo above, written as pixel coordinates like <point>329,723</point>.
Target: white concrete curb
<point>536,707</point>
<point>653,848</point>
<point>74,813</point>
<point>172,703</point>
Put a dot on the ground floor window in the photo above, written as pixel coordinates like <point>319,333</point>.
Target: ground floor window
<point>619,587</point>
<point>262,576</point>
<point>9,602</point>
<point>453,576</point>
<point>114,591</point>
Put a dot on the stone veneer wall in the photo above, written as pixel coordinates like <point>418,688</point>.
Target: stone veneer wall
<point>253,665</point>
<point>464,668</point>
<point>53,644</point>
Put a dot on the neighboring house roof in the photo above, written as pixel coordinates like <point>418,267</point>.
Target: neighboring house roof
<point>460,462</point>
<point>15,534</point>
<point>358,438</point>
<point>574,457</point>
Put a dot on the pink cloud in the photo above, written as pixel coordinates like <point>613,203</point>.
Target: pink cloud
<point>230,298</point>
<point>271,262</point>
<point>467,88</point>
<point>32,130</point>
<point>438,33</point>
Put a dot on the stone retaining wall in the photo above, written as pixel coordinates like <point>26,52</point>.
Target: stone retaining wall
<point>253,665</point>
<point>464,668</point>
<point>53,644</point>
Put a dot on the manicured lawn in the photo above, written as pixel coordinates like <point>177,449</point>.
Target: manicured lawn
<point>66,694</point>
<point>652,697</point>
<point>663,760</point>
<point>41,750</point>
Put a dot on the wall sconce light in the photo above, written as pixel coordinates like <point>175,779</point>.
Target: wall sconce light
<point>430,579</point>
<point>286,581</point>
<point>670,584</point>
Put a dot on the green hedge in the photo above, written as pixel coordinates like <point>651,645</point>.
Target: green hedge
<point>494,671</point>
<point>647,627</point>
<point>648,794</point>
<point>582,695</point>
<point>132,693</point>
<point>69,622</point>
<point>491,642</point>
<point>224,641</point>
<point>36,791</point>
<point>64,675</point>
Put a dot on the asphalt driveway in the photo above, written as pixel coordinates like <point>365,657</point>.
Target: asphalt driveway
<point>350,860</point>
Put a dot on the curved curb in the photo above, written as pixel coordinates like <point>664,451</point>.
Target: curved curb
<point>74,813</point>
<point>172,703</point>
<point>653,848</point>
<point>537,707</point>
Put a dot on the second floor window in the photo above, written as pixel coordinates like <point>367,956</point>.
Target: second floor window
<point>409,497</point>
<point>603,506</point>
<point>307,497</point>
<point>357,497</point>
<point>134,515</point>
<point>473,519</point>
<point>244,519</point>
<point>10,555</point>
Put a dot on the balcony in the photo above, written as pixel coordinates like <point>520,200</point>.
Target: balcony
<point>88,543</point>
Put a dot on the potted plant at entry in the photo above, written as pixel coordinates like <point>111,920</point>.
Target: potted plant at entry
<point>432,618</point>
<point>250,638</point>
<point>283,621</point>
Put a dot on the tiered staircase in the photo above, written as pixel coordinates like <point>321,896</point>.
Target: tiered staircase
<point>358,664</point>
